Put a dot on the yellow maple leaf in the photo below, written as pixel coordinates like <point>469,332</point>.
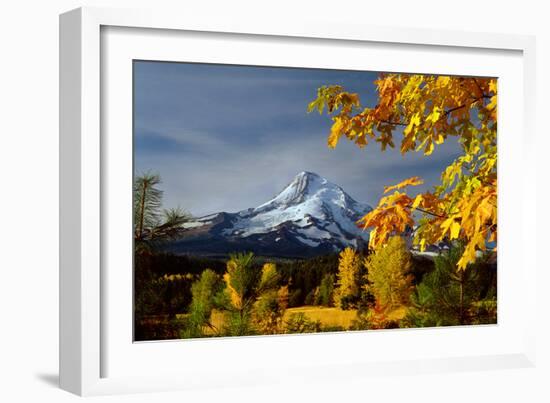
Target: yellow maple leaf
<point>413,181</point>
<point>414,122</point>
<point>435,115</point>
<point>429,148</point>
<point>335,132</point>
<point>455,230</point>
<point>417,200</point>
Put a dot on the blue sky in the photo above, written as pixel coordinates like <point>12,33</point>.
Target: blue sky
<point>226,138</point>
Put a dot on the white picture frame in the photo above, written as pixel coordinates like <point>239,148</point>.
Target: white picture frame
<point>86,311</point>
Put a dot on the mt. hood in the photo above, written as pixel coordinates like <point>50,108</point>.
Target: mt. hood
<point>310,216</point>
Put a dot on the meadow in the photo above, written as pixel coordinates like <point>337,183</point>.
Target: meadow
<point>328,317</point>
<point>350,290</point>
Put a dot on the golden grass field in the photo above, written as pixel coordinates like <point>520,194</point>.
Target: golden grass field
<point>329,317</point>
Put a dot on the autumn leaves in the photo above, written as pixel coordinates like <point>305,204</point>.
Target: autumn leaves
<point>423,111</point>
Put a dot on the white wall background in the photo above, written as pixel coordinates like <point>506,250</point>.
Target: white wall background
<point>29,201</point>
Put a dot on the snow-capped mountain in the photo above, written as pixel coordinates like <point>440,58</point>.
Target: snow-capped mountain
<point>310,216</point>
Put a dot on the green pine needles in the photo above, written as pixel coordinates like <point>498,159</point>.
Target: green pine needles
<point>447,296</point>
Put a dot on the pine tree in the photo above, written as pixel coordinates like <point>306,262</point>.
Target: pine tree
<point>147,203</point>
<point>205,294</point>
<point>388,275</point>
<point>326,290</point>
<point>248,289</point>
<point>448,296</point>
<point>348,289</point>
<point>150,222</point>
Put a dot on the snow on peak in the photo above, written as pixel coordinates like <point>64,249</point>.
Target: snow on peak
<point>315,207</point>
<point>303,184</point>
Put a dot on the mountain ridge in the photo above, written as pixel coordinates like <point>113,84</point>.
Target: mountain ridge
<point>309,217</point>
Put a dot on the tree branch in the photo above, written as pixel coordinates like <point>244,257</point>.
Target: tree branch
<point>393,123</point>
<point>478,86</point>
<point>426,212</point>
<point>446,113</point>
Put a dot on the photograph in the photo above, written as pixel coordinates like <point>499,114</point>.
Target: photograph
<point>286,200</point>
<point>235,201</point>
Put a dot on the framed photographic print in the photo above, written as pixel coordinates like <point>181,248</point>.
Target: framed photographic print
<point>266,244</point>
<point>235,203</point>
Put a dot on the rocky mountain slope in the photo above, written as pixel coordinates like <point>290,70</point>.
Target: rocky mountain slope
<point>310,216</point>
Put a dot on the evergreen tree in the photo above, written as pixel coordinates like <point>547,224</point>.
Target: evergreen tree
<point>151,224</point>
<point>150,221</point>
<point>147,203</point>
<point>448,296</point>
<point>388,275</point>
<point>205,292</point>
<point>326,290</point>
<point>245,285</point>
<point>348,289</point>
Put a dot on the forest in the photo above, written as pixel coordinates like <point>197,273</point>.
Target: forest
<point>184,296</point>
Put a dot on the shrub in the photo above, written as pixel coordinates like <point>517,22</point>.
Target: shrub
<point>269,310</point>
<point>484,312</point>
<point>300,323</point>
